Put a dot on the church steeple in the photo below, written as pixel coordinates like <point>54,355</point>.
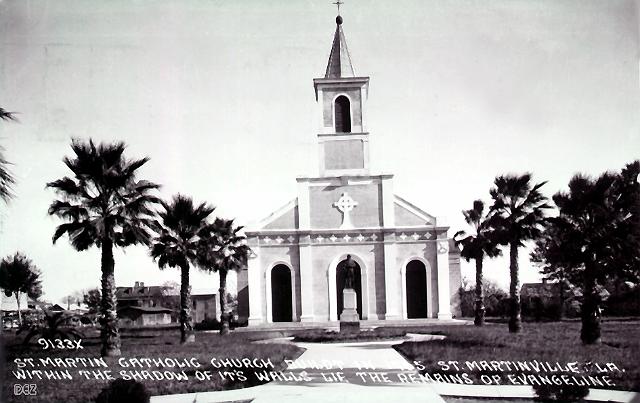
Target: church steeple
<point>339,59</point>
<point>343,141</point>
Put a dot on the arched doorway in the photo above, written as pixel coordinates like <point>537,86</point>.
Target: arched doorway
<point>281,302</point>
<point>342,115</point>
<point>340,277</point>
<point>416,290</point>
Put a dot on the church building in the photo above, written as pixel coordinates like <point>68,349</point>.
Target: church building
<point>407,264</point>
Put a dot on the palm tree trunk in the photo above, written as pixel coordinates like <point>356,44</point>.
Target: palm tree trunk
<point>515,319</point>
<point>590,332</point>
<point>109,332</point>
<point>19,313</point>
<point>224,317</point>
<point>479,311</point>
<point>561,310</point>
<point>186,321</point>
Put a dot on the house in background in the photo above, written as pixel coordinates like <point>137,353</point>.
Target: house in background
<point>550,300</point>
<point>131,315</point>
<point>9,303</point>
<point>56,308</point>
<point>204,302</point>
<point>143,296</point>
<point>9,309</point>
<point>205,305</point>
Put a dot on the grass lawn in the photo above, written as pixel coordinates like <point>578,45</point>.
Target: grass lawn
<point>551,342</point>
<point>164,345</point>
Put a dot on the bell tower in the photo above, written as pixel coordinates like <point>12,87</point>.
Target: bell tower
<point>341,95</point>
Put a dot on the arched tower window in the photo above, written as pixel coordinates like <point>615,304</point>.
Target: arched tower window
<point>342,115</point>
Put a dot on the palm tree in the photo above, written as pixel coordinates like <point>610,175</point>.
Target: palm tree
<point>104,204</point>
<point>596,237</point>
<point>224,249</point>
<point>181,233</point>
<point>476,247</point>
<point>6,178</point>
<point>18,275</point>
<point>517,216</point>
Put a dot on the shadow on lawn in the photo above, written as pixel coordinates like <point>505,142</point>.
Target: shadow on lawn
<point>564,393</point>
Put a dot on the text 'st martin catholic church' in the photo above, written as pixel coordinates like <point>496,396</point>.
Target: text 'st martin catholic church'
<point>407,265</point>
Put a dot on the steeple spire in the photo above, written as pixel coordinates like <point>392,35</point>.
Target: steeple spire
<point>339,59</point>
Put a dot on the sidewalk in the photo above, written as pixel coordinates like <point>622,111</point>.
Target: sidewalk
<point>343,358</point>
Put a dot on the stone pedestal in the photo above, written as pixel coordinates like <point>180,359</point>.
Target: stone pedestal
<point>349,319</point>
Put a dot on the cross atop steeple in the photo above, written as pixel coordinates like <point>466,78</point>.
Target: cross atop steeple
<point>338,3</point>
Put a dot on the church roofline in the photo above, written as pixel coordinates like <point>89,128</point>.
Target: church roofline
<point>415,209</point>
<point>259,225</point>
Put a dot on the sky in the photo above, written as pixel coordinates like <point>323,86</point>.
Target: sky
<point>219,95</point>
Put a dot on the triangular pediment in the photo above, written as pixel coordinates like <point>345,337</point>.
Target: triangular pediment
<point>409,215</point>
<point>286,217</point>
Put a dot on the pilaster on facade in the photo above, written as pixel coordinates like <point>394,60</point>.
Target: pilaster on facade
<point>444,296</point>
<point>254,268</point>
<point>392,281</point>
<point>306,280</point>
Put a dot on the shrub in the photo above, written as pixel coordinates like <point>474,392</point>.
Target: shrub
<point>208,324</point>
<point>495,300</point>
<point>214,324</point>
<point>120,391</point>
<point>560,393</point>
<point>624,304</point>
<point>54,326</point>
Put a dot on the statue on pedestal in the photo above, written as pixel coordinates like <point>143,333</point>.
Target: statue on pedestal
<point>350,275</point>
<point>349,318</point>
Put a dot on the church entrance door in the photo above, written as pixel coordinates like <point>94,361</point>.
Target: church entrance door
<point>281,302</point>
<point>340,279</point>
<point>416,290</point>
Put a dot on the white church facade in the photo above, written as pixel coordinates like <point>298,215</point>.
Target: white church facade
<point>407,264</point>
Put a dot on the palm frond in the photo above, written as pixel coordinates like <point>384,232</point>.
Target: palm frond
<point>103,198</point>
<point>7,116</point>
<point>7,180</point>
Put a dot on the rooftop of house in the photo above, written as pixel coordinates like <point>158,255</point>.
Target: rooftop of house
<point>150,309</point>
<point>543,287</point>
<point>140,291</point>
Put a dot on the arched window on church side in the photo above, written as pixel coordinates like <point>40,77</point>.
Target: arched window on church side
<point>342,115</point>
